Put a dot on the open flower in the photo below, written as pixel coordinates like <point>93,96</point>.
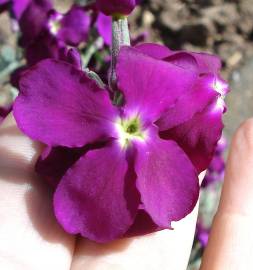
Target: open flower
<point>127,173</point>
<point>113,7</point>
<point>70,28</point>
<point>190,119</point>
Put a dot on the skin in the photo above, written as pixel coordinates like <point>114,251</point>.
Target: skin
<point>30,237</point>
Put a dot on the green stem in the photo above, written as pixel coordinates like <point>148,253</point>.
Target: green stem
<point>120,37</point>
<point>91,50</point>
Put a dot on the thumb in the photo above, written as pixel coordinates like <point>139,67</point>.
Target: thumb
<point>231,241</point>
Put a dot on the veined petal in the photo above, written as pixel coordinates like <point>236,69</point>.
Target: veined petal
<point>206,63</point>
<point>166,180</point>
<point>59,106</point>
<point>194,101</point>
<point>97,197</point>
<point>150,86</point>
<point>198,137</point>
<point>154,50</point>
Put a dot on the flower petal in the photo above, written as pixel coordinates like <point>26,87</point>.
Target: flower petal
<point>166,180</point>
<point>97,197</point>
<point>104,28</point>
<point>18,7</point>
<point>33,20</point>
<point>75,26</point>
<point>43,47</point>
<point>59,105</point>
<point>207,63</point>
<point>198,137</point>
<point>150,86</point>
<point>154,50</point>
<point>143,224</point>
<point>55,161</point>
<point>194,101</point>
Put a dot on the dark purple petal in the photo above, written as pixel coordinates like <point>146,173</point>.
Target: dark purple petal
<point>166,180</point>
<point>194,101</point>
<point>55,161</point>
<point>43,47</point>
<point>97,197</point>
<point>19,6</point>
<point>110,7</point>
<point>104,28</point>
<point>143,224</point>
<point>33,20</point>
<point>198,137</point>
<point>150,86</point>
<point>71,56</point>
<point>74,26</point>
<point>154,50</point>
<point>59,106</point>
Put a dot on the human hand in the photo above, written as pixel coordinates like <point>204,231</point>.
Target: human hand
<point>30,237</point>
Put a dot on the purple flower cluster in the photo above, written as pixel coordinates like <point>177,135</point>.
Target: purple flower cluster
<point>128,169</point>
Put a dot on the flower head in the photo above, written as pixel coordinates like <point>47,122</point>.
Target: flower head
<point>147,152</point>
<point>70,28</point>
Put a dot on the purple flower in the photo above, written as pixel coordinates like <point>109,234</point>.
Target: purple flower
<point>104,28</point>
<point>202,234</point>
<point>111,7</point>
<point>152,179</point>
<point>193,124</point>
<point>71,28</point>
<point>33,20</point>
<point>215,171</point>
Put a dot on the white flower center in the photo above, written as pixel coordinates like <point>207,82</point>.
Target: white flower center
<point>54,24</point>
<point>128,130</point>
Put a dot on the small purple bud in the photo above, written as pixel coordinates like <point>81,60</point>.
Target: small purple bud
<point>116,7</point>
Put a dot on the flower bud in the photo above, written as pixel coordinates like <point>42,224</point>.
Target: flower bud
<point>116,7</point>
